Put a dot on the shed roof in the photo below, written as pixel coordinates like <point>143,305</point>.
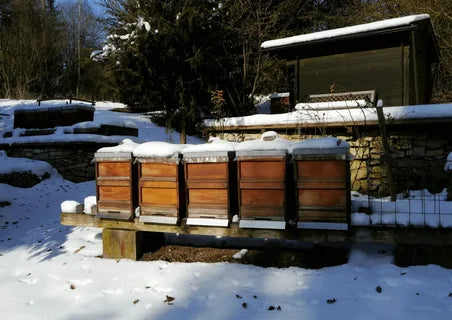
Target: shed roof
<point>394,25</point>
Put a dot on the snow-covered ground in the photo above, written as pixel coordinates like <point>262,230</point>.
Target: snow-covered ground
<point>52,271</point>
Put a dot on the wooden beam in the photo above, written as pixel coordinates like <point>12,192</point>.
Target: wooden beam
<point>387,235</point>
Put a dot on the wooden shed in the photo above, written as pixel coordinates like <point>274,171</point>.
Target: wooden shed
<point>397,57</point>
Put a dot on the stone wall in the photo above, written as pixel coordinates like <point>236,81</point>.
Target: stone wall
<point>418,155</point>
<point>72,160</point>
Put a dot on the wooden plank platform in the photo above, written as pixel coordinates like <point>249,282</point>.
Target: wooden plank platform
<point>388,235</point>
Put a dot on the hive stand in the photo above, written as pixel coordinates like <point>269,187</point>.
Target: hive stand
<point>129,239</point>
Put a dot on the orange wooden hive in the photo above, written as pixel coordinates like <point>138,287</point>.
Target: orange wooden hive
<point>322,187</point>
<point>208,187</point>
<point>262,188</point>
<point>115,185</point>
<point>160,189</point>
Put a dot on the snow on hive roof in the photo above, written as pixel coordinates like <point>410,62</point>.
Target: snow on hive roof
<point>269,141</point>
<point>158,149</point>
<point>216,145</point>
<point>126,146</point>
<point>334,33</point>
<point>320,146</point>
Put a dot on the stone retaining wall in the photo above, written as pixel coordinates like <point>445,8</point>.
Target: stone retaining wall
<point>418,155</point>
<point>72,160</point>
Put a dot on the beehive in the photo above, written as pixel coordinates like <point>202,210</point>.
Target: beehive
<point>262,172</point>
<point>116,182</point>
<point>322,184</point>
<point>210,184</point>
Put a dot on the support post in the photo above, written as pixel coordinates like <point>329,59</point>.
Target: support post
<point>387,150</point>
<point>129,244</point>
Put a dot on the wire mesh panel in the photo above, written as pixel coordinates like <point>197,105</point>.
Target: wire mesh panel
<point>422,201</point>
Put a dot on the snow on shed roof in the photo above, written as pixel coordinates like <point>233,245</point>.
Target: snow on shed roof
<point>335,33</point>
<point>323,117</point>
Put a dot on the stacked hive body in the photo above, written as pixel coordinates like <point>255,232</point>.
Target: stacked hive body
<point>160,184</point>
<point>262,183</point>
<point>116,182</point>
<point>321,170</point>
<point>208,184</point>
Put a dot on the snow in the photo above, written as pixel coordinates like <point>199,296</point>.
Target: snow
<point>239,255</point>
<point>158,149</point>
<point>103,115</point>
<point>448,165</point>
<point>71,206</point>
<point>419,208</point>
<point>356,29</point>
<point>322,117</point>
<point>88,204</point>
<point>50,271</point>
<point>269,136</point>
<point>141,23</point>
<point>9,165</point>
<point>98,124</point>
<point>126,145</point>
<point>216,145</point>
<point>280,95</point>
<point>263,145</point>
<point>321,143</point>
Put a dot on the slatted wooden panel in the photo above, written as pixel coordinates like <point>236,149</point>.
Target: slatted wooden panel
<point>262,192</point>
<point>322,190</point>
<point>159,188</point>
<point>116,188</point>
<point>207,189</point>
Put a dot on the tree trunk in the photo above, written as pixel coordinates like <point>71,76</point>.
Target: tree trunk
<point>183,136</point>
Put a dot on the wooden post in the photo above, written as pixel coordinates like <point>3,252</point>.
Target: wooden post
<point>415,66</point>
<point>387,151</point>
<point>121,244</point>
<point>129,244</point>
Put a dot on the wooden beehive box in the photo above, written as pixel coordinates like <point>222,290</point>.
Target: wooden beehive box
<point>116,184</point>
<point>262,188</point>
<point>208,187</point>
<point>322,188</point>
<point>160,189</point>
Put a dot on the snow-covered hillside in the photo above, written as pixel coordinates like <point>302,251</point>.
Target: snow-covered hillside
<point>147,131</point>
